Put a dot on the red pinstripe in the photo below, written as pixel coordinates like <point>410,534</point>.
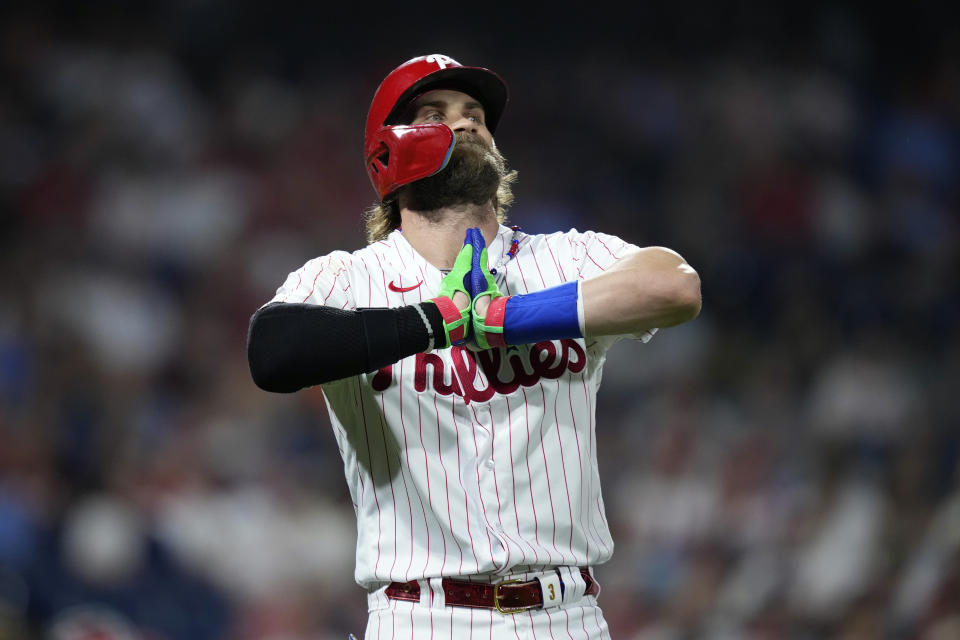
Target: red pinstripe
<point>563,466</point>
<point>536,263</point>
<point>546,470</point>
<point>589,257</point>
<point>490,252</point>
<point>403,266</point>
<point>493,456</point>
<point>576,438</point>
<point>520,247</point>
<point>369,281</point>
<point>393,497</point>
<point>363,485</point>
<point>330,292</point>
<point>403,475</point>
<point>592,528</point>
<point>513,482</point>
<point>383,277</point>
<point>373,484</point>
<point>299,282</point>
<point>533,502</point>
<point>596,619</point>
<point>423,278</point>
<point>604,245</point>
<point>313,283</point>
<point>556,264</point>
<point>593,448</point>
<point>506,285</point>
<point>310,293</point>
<point>419,262</point>
<point>446,485</point>
<point>426,466</point>
<point>483,504</point>
<point>466,503</point>
<point>496,485</point>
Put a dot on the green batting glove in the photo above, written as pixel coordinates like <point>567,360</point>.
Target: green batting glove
<point>487,326</point>
<point>456,322</point>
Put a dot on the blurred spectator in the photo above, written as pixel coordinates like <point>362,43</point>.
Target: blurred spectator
<point>99,571</point>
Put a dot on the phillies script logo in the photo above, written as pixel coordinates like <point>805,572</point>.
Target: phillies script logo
<point>502,371</point>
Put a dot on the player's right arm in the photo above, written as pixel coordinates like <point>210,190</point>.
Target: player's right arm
<point>293,345</point>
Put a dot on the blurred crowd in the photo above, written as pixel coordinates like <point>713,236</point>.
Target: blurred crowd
<point>785,466</point>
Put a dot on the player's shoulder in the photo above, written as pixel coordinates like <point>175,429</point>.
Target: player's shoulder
<point>380,254</point>
<point>574,238</point>
<point>572,232</point>
<point>335,260</point>
<point>355,258</point>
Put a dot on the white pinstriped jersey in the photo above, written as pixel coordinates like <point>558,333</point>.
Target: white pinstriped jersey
<point>462,463</point>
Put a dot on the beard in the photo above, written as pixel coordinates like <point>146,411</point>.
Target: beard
<point>472,176</point>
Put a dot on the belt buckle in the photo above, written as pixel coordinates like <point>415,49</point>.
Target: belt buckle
<point>510,610</point>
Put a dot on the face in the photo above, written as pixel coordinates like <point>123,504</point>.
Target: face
<point>475,168</point>
<point>456,109</point>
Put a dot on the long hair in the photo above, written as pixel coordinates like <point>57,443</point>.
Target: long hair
<point>383,217</point>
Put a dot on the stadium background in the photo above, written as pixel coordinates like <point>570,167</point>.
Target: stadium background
<point>786,466</point>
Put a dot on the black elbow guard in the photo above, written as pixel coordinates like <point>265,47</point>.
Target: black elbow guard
<point>292,346</point>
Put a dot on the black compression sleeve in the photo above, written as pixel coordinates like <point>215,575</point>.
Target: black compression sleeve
<point>292,346</point>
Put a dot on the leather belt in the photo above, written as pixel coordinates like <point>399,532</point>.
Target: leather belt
<point>506,596</point>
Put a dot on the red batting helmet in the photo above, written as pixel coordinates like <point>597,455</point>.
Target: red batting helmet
<point>397,154</point>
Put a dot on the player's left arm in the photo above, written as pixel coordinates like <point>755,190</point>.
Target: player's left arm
<point>633,293</point>
<point>649,288</point>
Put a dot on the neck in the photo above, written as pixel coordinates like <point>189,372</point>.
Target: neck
<point>438,235</point>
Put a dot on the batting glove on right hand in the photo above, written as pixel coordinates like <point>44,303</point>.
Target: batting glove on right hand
<point>456,321</point>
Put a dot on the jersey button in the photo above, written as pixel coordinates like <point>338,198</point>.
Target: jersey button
<point>489,463</point>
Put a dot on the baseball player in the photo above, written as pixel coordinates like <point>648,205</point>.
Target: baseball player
<point>460,360</point>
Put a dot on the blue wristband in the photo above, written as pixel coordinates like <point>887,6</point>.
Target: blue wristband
<point>550,314</point>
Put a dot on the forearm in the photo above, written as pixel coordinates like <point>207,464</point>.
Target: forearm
<point>654,287</point>
<point>292,346</point>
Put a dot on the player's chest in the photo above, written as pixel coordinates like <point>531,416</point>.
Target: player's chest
<point>458,375</point>
<point>387,281</point>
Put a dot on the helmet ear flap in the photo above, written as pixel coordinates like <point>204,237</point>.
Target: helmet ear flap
<point>402,154</point>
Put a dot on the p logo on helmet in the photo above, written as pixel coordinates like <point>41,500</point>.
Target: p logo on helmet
<point>442,61</point>
<point>396,153</point>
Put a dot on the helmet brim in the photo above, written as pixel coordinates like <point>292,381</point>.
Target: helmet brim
<point>484,85</point>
